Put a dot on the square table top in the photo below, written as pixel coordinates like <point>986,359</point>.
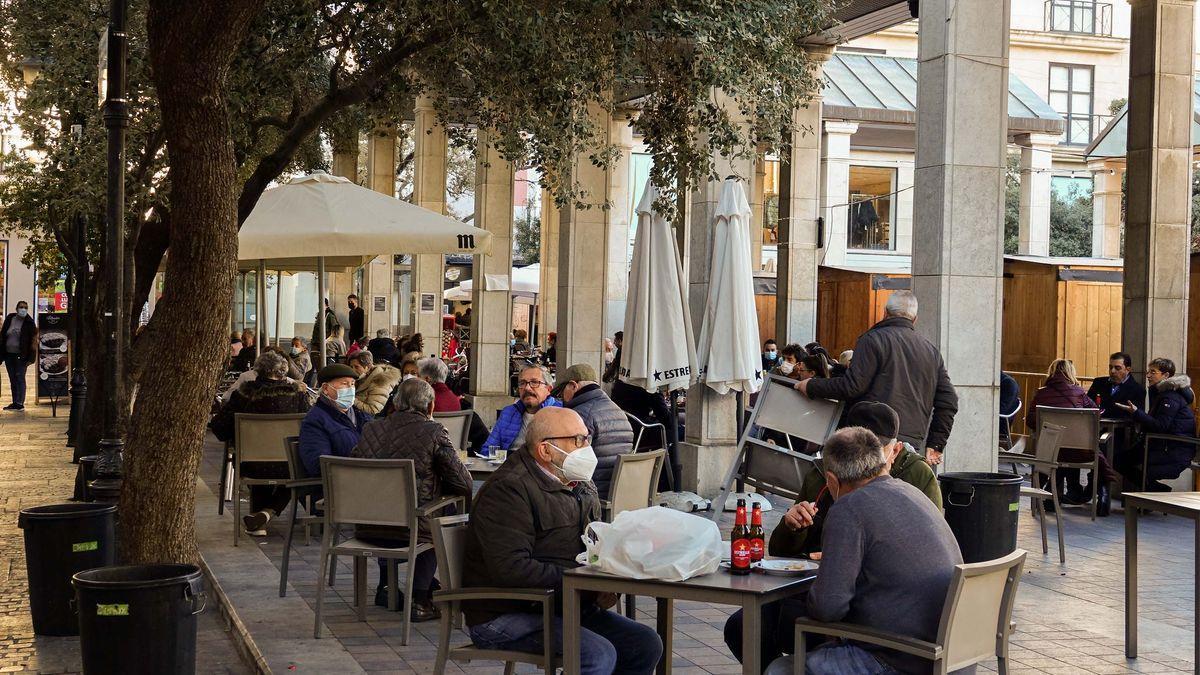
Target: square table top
<point>755,583</point>
<point>1186,504</point>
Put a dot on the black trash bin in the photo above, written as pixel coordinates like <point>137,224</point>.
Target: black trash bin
<point>982,510</point>
<point>139,618</point>
<point>60,540</point>
<point>85,474</point>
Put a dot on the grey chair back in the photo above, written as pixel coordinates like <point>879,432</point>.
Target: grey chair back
<point>263,438</point>
<point>449,543</point>
<point>781,408</point>
<point>458,425</point>
<point>1081,426</point>
<point>635,481</point>
<point>977,615</point>
<point>295,464</point>
<point>369,491</point>
<point>1049,442</point>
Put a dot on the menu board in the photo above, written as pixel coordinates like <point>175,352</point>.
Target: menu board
<point>54,361</point>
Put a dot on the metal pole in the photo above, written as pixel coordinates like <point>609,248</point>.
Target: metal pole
<point>107,486</point>
<point>260,307</point>
<point>278,303</point>
<point>245,294</point>
<point>78,376</point>
<point>321,311</point>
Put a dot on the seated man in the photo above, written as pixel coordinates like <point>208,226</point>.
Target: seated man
<point>411,433</point>
<point>799,534</point>
<point>525,529</point>
<point>611,433</point>
<point>533,388</point>
<point>383,347</point>
<point>333,426</point>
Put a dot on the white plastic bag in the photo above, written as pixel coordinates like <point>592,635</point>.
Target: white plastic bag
<point>654,543</point>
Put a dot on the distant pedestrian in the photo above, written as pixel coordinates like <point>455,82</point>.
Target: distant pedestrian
<point>770,355</point>
<point>20,334</point>
<point>357,319</point>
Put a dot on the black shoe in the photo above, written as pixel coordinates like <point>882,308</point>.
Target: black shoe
<point>256,523</point>
<point>1048,505</point>
<point>1103,502</point>
<point>1076,495</point>
<point>381,597</point>
<point>12,406</point>
<point>424,611</point>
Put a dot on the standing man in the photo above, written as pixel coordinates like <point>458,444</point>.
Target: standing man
<point>19,333</point>
<point>770,355</point>
<point>893,364</point>
<point>358,318</point>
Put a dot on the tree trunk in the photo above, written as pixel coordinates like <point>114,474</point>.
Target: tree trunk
<point>191,45</point>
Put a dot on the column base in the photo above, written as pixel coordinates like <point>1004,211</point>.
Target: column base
<point>487,405</point>
<point>704,467</point>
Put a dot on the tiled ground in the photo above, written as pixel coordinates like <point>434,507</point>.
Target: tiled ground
<point>36,469</point>
<point>1070,619</point>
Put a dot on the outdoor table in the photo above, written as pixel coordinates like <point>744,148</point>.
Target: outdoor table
<point>1183,504</point>
<point>1116,429</point>
<point>480,468</point>
<point>750,592</point>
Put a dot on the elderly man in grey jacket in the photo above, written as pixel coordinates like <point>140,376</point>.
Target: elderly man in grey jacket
<point>612,435</point>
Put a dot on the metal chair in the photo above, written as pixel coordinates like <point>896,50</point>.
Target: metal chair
<point>770,468</point>
<point>379,492</point>
<point>976,620</point>
<point>259,438</point>
<point>458,425</point>
<point>302,488</point>
<point>1170,438</point>
<point>1044,460</point>
<point>634,486</point>
<point>449,542</point>
<point>1008,419</point>
<point>640,429</point>
<point>1081,430</point>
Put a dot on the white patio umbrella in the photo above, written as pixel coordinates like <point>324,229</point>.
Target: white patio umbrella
<point>318,217</point>
<point>728,350</point>
<point>520,280</point>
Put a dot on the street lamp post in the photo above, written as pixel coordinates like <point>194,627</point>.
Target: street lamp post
<point>107,486</point>
<point>78,378</point>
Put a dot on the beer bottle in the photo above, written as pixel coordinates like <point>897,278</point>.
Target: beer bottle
<point>739,542</point>
<point>758,544</point>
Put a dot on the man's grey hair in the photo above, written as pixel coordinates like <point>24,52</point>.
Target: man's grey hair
<point>853,455</point>
<point>271,365</point>
<point>433,368</point>
<point>414,394</point>
<point>303,342</point>
<point>362,358</point>
<point>382,333</point>
<point>901,303</point>
<point>545,374</point>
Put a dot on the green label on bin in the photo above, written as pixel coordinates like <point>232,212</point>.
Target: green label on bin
<point>112,610</point>
<point>84,546</point>
<point>1015,506</point>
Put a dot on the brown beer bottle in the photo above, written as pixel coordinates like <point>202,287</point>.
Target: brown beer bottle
<point>739,542</point>
<point>758,543</point>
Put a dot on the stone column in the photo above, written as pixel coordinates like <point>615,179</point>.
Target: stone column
<point>548,283</point>
<point>381,177</point>
<point>583,259</point>
<point>345,156</point>
<point>710,442</point>
<point>616,277</point>
<point>1159,158</point>
<point>429,192</point>
<point>492,314</point>
<point>1106,208</point>
<point>835,188</point>
<point>962,134</point>
<point>757,199</point>
<point>799,202</point>
<point>1035,193</point>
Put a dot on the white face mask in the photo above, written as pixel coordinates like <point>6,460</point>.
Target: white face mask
<point>786,367</point>
<point>407,377</point>
<point>578,465</point>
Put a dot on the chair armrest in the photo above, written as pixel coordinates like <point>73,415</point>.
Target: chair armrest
<point>1020,458</point>
<point>1173,438</point>
<point>303,482</point>
<point>900,643</point>
<point>433,507</point>
<point>493,593</point>
<point>1104,437</point>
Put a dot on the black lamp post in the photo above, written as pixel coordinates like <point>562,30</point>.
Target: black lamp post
<point>107,486</point>
<point>78,306</point>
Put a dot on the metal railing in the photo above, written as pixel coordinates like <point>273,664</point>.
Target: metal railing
<point>1078,16</point>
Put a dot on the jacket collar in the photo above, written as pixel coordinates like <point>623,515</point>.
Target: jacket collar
<point>1175,382</point>
<point>896,321</point>
<point>592,391</point>
<point>535,470</point>
<point>520,407</point>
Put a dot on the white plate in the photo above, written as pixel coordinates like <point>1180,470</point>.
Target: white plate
<point>787,566</point>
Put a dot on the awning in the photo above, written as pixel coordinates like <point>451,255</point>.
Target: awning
<point>1111,141</point>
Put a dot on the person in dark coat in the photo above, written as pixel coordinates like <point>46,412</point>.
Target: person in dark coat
<point>330,321</point>
<point>383,348</point>
<point>1119,387</point>
<point>248,355</point>
<point>357,318</point>
<point>20,334</point>
<point>893,364</point>
<point>612,435</point>
<point>271,393</point>
<point>411,433</point>
<point>770,355</point>
<point>1010,398</point>
<point>1062,390</point>
<point>333,426</point>
<point>1170,412</point>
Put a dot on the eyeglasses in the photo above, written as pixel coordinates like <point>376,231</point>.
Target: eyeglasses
<point>580,440</point>
<point>531,384</point>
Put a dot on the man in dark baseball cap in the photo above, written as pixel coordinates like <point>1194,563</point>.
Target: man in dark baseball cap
<point>903,463</point>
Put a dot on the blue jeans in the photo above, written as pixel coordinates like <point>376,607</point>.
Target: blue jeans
<point>640,650</point>
<point>841,658</point>
<point>16,367</point>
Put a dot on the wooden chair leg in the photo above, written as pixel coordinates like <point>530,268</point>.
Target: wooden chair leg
<point>360,586</point>
<point>321,588</point>
<point>1062,547</point>
<point>408,597</point>
<point>443,650</point>
<point>1039,510</point>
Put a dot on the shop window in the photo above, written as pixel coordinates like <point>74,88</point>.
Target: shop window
<point>871,219</point>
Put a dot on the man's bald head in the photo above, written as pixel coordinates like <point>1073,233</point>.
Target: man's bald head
<point>553,423</point>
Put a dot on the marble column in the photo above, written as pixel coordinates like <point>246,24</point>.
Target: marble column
<point>492,314</point>
<point>1106,208</point>
<point>616,276</point>
<point>710,442</point>
<point>548,283</point>
<point>799,209</point>
<point>1159,158</point>
<point>377,276</point>
<point>429,191</point>
<point>962,135</point>
<point>1034,205</point>
<point>583,258</point>
<point>835,189</point>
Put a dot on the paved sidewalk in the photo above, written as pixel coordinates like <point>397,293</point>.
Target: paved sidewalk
<point>36,469</point>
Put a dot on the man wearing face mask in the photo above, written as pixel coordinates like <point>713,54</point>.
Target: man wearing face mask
<point>770,355</point>
<point>525,529</point>
<point>333,426</point>
<point>19,333</point>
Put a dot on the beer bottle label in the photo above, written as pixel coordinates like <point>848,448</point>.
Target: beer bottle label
<point>756,549</point>
<point>740,554</point>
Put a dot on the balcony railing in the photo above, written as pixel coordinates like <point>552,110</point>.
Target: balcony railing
<point>1087,17</point>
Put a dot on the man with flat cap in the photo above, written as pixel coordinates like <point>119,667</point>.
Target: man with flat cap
<point>612,435</point>
<point>333,426</point>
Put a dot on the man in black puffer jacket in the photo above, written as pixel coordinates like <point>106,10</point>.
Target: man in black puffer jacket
<point>1169,412</point>
<point>612,435</point>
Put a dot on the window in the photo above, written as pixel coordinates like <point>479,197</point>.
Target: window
<point>870,213</point>
<point>1079,16</point>
<point>1071,96</point>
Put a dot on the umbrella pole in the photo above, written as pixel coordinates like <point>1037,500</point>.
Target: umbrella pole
<point>675,475</point>
<point>260,306</point>
<point>245,281</point>
<point>278,300</point>
<point>321,309</point>
<point>741,427</point>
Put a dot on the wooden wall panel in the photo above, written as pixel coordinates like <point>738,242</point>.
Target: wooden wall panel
<point>764,306</point>
<point>1030,325</point>
<point>1091,324</point>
